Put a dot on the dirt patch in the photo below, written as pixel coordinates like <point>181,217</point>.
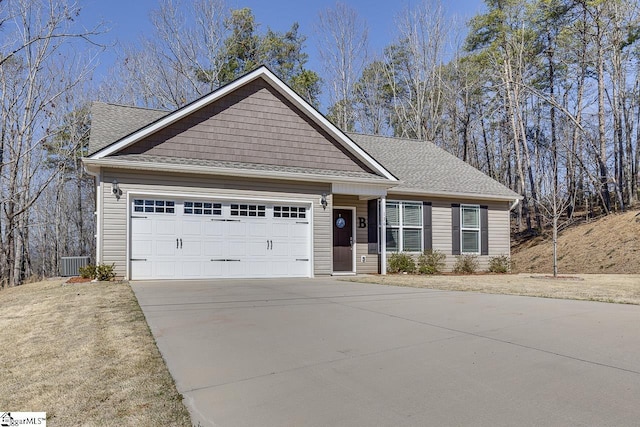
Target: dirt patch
<point>608,245</point>
<point>84,354</point>
<point>78,279</point>
<point>591,287</point>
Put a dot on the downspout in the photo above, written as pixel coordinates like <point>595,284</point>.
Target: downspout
<point>97,177</point>
<point>513,205</point>
<point>383,235</point>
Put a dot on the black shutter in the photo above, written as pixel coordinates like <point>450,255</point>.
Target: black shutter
<point>372,218</point>
<point>426,226</point>
<point>455,229</point>
<point>484,230</point>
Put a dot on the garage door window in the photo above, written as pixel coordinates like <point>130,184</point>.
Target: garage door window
<point>289,212</point>
<point>154,206</point>
<point>202,208</point>
<point>248,210</point>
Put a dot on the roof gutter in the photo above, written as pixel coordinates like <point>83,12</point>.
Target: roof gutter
<point>226,171</point>
<point>450,195</point>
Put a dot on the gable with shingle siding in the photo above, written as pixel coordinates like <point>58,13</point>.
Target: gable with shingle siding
<point>254,124</point>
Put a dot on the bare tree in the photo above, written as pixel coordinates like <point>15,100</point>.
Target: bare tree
<point>180,61</point>
<point>37,71</point>
<point>415,64</point>
<point>342,44</point>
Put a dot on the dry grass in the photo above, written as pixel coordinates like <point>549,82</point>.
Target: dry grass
<point>84,354</point>
<point>608,245</point>
<point>592,287</point>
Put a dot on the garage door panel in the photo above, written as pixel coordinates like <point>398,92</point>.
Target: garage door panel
<point>257,230</point>
<point>141,269</point>
<point>164,269</point>
<point>194,243</point>
<point>280,248</point>
<point>213,248</point>
<point>142,248</point>
<point>213,228</point>
<point>280,268</point>
<point>192,268</point>
<point>280,230</point>
<point>142,226</point>
<point>164,227</point>
<point>257,248</point>
<point>191,227</point>
<point>237,248</point>
<point>299,268</point>
<point>166,246</point>
<point>236,229</point>
<point>299,249</point>
<point>299,231</point>
<point>236,269</point>
<point>214,269</point>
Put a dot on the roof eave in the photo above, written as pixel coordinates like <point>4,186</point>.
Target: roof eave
<point>95,164</point>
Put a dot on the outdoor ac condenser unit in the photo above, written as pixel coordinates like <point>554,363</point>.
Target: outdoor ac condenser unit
<point>70,265</point>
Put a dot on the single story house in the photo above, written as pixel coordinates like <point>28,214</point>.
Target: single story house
<point>252,181</point>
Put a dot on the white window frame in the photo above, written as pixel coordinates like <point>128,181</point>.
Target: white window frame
<point>463,228</point>
<point>154,206</point>
<point>400,227</point>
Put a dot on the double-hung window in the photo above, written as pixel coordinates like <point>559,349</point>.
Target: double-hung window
<point>470,229</point>
<point>404,226</point>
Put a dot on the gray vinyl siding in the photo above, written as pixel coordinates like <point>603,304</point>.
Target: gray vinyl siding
<point>254,124</point>
<point>499,228</point>
<point>370,266</point>
<point>114,212</point>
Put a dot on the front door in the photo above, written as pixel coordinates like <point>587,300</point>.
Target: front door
<point>342,240</point>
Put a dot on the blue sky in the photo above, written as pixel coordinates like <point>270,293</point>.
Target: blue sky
<point>128,19</point>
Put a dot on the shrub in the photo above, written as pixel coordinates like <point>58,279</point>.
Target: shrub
<point>500,264</point>
<point>466,264</point>
<point>105,272</point>
<point>101,272</point>
<point>431,262</point>
<point>87,271</point>
<point>401,262</point>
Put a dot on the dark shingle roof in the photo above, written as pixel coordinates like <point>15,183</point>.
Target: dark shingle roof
<point>424,167</point>
<point>111,122</point>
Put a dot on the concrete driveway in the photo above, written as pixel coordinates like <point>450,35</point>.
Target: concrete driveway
<point>319,352</point>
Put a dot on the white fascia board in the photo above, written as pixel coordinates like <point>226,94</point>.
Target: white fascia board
<point>452,195</point>
<point>114,163</point>
<point>276,83</point>
<point>328,126</point>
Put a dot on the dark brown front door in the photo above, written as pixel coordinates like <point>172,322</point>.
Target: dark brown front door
<point>342,240</point>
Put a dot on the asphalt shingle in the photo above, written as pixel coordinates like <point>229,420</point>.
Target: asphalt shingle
<point>111,122</point>
<point>425,167</point>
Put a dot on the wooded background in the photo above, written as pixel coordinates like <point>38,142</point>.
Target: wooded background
<point>542,95</point>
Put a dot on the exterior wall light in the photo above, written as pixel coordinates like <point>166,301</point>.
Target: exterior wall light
<point>115,189</point>
<point>323,200</point>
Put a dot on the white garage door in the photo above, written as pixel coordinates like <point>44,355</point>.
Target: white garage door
<point>192,239</point>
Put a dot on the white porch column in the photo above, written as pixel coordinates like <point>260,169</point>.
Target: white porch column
<point>383,235</point>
